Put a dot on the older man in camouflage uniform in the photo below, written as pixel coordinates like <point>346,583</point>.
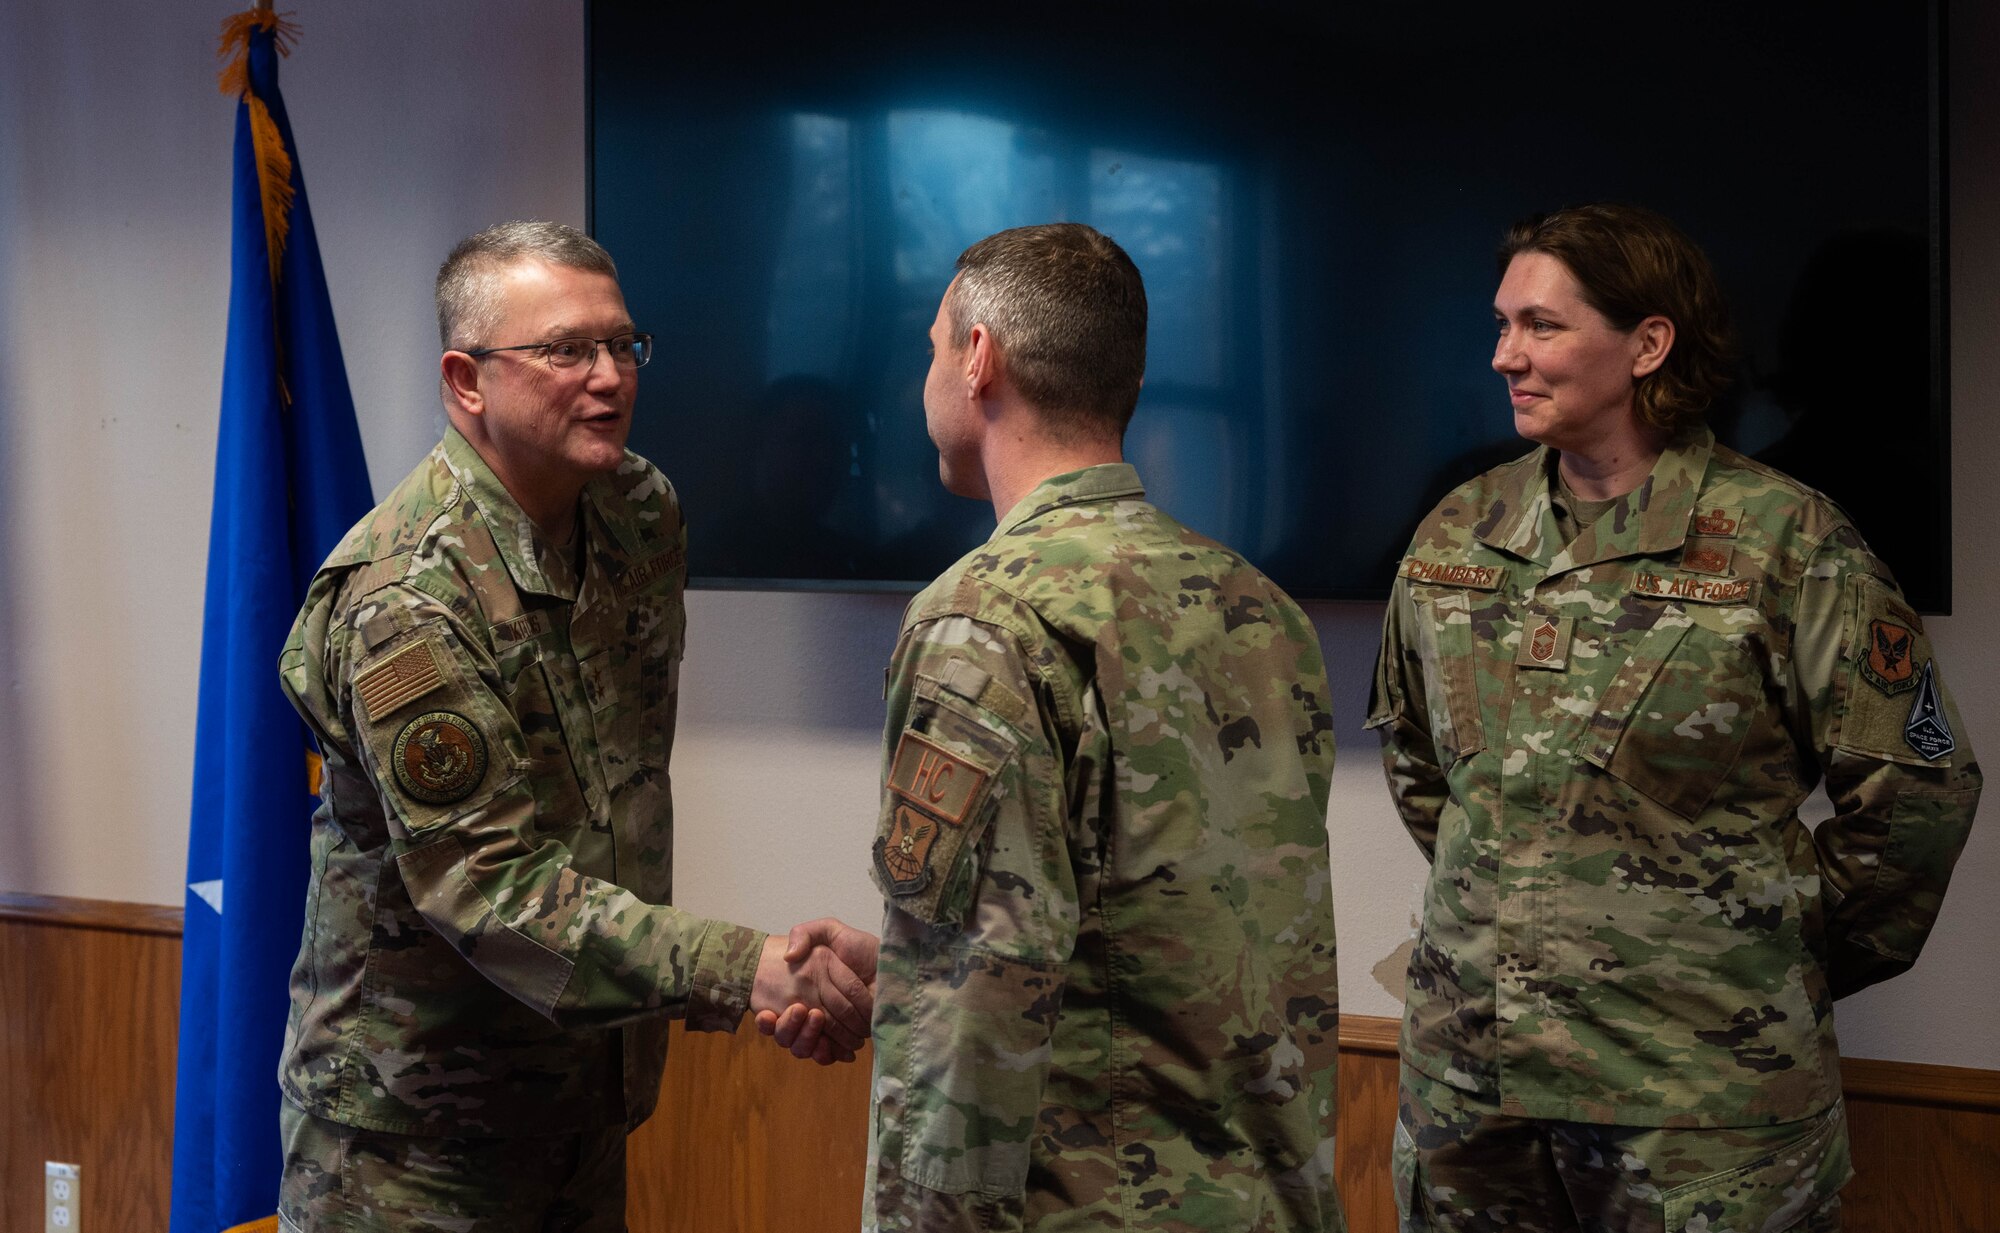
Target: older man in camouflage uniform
<point>489,662</point>
<point>1602,711</point>
<point>1107,991</point>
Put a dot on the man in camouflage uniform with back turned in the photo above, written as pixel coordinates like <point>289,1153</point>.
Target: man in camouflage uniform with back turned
<point>1107,990</point>
<point>489,661</point>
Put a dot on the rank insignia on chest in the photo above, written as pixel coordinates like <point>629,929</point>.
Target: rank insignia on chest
<point>439,757</point>
<point>1545,643</point>
<point>1704,557</point>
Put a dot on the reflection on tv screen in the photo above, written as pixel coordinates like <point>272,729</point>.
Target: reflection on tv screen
<point>1313,198</point>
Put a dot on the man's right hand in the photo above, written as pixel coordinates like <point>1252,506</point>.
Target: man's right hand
<point>823,974</point>
<point>810,1032</point>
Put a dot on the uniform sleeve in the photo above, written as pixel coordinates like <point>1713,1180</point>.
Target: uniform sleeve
<point>1398,709</point>
<point>972,854</point>
<point>485,863</point>
<point>1898,768</point>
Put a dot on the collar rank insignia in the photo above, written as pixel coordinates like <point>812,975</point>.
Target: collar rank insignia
<point>439,757</point>
<point>1545,643</point>
<point>1887,664</point>
<point>1926,729</point>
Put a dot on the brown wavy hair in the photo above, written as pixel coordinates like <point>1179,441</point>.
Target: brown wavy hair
<point>1633,264</point>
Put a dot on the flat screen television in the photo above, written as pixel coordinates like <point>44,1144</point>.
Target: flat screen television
<point>1313,194</point>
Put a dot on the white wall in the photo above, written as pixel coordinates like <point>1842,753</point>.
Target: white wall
<point>417,124</point>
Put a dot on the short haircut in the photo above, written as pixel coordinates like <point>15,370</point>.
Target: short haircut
<point>468,285</point>
<point>1068,310</point>
<point>1633,264</point>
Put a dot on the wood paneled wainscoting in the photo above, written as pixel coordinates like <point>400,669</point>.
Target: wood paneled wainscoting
<point>746,1138</point>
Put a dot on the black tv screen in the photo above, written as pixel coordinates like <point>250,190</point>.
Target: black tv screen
<point>1313,194</point>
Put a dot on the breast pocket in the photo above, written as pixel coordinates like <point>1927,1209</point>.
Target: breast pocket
<point>550,766</point>
<point>1673,721</point>
<point>1451,672</point>
<point>649,677</point>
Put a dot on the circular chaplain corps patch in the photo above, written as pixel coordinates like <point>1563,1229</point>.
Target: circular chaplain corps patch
<point>439,757</point>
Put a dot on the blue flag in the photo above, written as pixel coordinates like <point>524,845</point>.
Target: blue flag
<point>289,481</point>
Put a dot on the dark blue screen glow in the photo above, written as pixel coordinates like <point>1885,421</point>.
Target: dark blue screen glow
<point>1313,195</point>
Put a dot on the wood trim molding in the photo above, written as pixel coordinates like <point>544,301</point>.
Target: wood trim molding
<point>107,914</point>
<point>1921,1083</point>
<point>1374,1034</point>
<point>1917,1083</point>
<point>1912,1083</point>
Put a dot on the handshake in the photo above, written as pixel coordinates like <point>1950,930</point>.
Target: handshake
<point>815,990</point>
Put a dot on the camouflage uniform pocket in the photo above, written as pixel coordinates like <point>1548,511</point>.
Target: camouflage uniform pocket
<point>1675,717</point>
<point>974,1071</point>
<point>1779,1190</point>
<point>1451,672</point>
<point>1403,1177</point>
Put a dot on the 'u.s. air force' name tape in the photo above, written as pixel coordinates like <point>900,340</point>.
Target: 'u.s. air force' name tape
<point>1694,588</point>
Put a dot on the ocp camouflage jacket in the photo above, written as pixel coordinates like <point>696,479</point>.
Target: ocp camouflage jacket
<point>486,948</point>
<point>1602,748</point>
<point>1106,997</point>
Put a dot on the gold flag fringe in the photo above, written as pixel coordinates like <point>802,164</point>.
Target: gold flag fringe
<point>274,161</point>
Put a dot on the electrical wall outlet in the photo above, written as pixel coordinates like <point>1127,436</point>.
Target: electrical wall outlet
<point>64,1205</point>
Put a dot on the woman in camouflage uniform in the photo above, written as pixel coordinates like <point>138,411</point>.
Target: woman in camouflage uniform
<point>1610,673</point>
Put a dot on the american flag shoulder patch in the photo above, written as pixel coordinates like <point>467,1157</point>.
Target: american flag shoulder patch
<point>399,680</point>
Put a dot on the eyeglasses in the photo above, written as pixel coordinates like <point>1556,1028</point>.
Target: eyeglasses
<point>627,350</point>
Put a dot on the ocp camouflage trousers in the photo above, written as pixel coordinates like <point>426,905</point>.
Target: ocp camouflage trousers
<point>1462,1167</point>
<point>344,1179</point>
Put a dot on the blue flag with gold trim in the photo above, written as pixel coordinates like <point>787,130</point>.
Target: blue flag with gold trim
<point>289,481</point>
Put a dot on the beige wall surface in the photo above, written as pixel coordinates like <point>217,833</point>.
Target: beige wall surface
<point>418,123</point>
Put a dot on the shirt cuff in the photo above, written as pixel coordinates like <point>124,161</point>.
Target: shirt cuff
<point>725,967</point>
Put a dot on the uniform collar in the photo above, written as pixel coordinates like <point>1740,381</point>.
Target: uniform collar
<point>1107,481</point>
<point>1651,520</point>
<point>535,564</point>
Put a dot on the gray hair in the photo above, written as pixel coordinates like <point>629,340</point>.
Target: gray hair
<point>468,291</point>
<point>1068,310</point>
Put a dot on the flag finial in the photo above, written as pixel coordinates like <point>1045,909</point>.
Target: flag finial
<point>274,161</point>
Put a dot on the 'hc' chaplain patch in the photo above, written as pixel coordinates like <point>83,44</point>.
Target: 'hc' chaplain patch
<point>935,791</point>
<point>934,778</point>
